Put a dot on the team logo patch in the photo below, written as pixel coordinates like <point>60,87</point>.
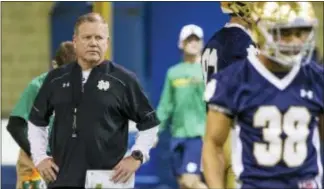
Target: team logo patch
<point>103,85</point>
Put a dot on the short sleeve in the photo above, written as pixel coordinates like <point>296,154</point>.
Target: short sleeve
<point>220,95</point>
<point>42,109</point>
<point>138,107</point>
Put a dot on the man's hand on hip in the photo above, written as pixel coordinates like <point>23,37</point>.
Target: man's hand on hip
<point>125,169</point>
<point>48,169</point>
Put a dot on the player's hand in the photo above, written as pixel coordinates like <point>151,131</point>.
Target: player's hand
<point>48,169</point>
<point>125,169</point>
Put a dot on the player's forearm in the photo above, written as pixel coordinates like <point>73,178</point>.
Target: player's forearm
<point>17,127</point>
<point>213,164</point>
<point>145,141</point>
<point>38,139</point>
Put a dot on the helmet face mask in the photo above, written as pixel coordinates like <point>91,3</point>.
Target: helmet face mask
<point>285,32</point>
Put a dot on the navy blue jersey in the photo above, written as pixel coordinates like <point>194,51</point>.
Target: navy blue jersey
<point>276,136</point>
<point>226,46</point>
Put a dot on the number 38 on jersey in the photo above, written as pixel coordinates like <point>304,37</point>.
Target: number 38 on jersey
<point>292,149</point>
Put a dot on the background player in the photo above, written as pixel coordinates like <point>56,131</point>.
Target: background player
<point>182,100</point>
<point>227,45</point>
<point>17,125</point>
<point>276,101</point>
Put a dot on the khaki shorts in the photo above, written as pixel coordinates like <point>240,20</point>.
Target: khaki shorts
<point>24,168</point>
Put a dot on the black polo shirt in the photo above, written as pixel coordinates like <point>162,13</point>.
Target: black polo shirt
<point>100,109</point>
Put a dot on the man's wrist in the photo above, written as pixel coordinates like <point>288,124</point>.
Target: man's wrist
<point>138,155</point>
<point>38,160</point>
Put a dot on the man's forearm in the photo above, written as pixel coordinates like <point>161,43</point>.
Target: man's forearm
<point>38,139</point>
<point>17,127</point>
<point>145,141</point>
<point>214,165</point>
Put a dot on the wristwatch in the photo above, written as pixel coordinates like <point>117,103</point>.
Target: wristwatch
<point>137,155</point>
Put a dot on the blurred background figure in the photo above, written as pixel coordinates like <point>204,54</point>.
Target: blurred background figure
<point>27,175</point>
<point>181,100</point>
<point>225,47</point>
<point>229,43</point>
<point>144,42</point>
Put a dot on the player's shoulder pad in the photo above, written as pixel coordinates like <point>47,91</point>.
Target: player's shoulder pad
<point>228,79</point>
<point>221,32</point>
<point>316,67</point>
<point>316,71</point>
<point>220,36</point>
<point>224,38</point>
<point>233,73</point>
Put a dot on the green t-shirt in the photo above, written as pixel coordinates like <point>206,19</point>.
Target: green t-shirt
<point>182,101</point>
<point>26,101</point>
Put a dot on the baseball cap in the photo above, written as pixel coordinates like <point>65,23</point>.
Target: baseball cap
<point>189,30</point>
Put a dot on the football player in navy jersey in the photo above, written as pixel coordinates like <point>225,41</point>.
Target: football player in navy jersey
<point>227,45</point>
<point>276,100</point>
